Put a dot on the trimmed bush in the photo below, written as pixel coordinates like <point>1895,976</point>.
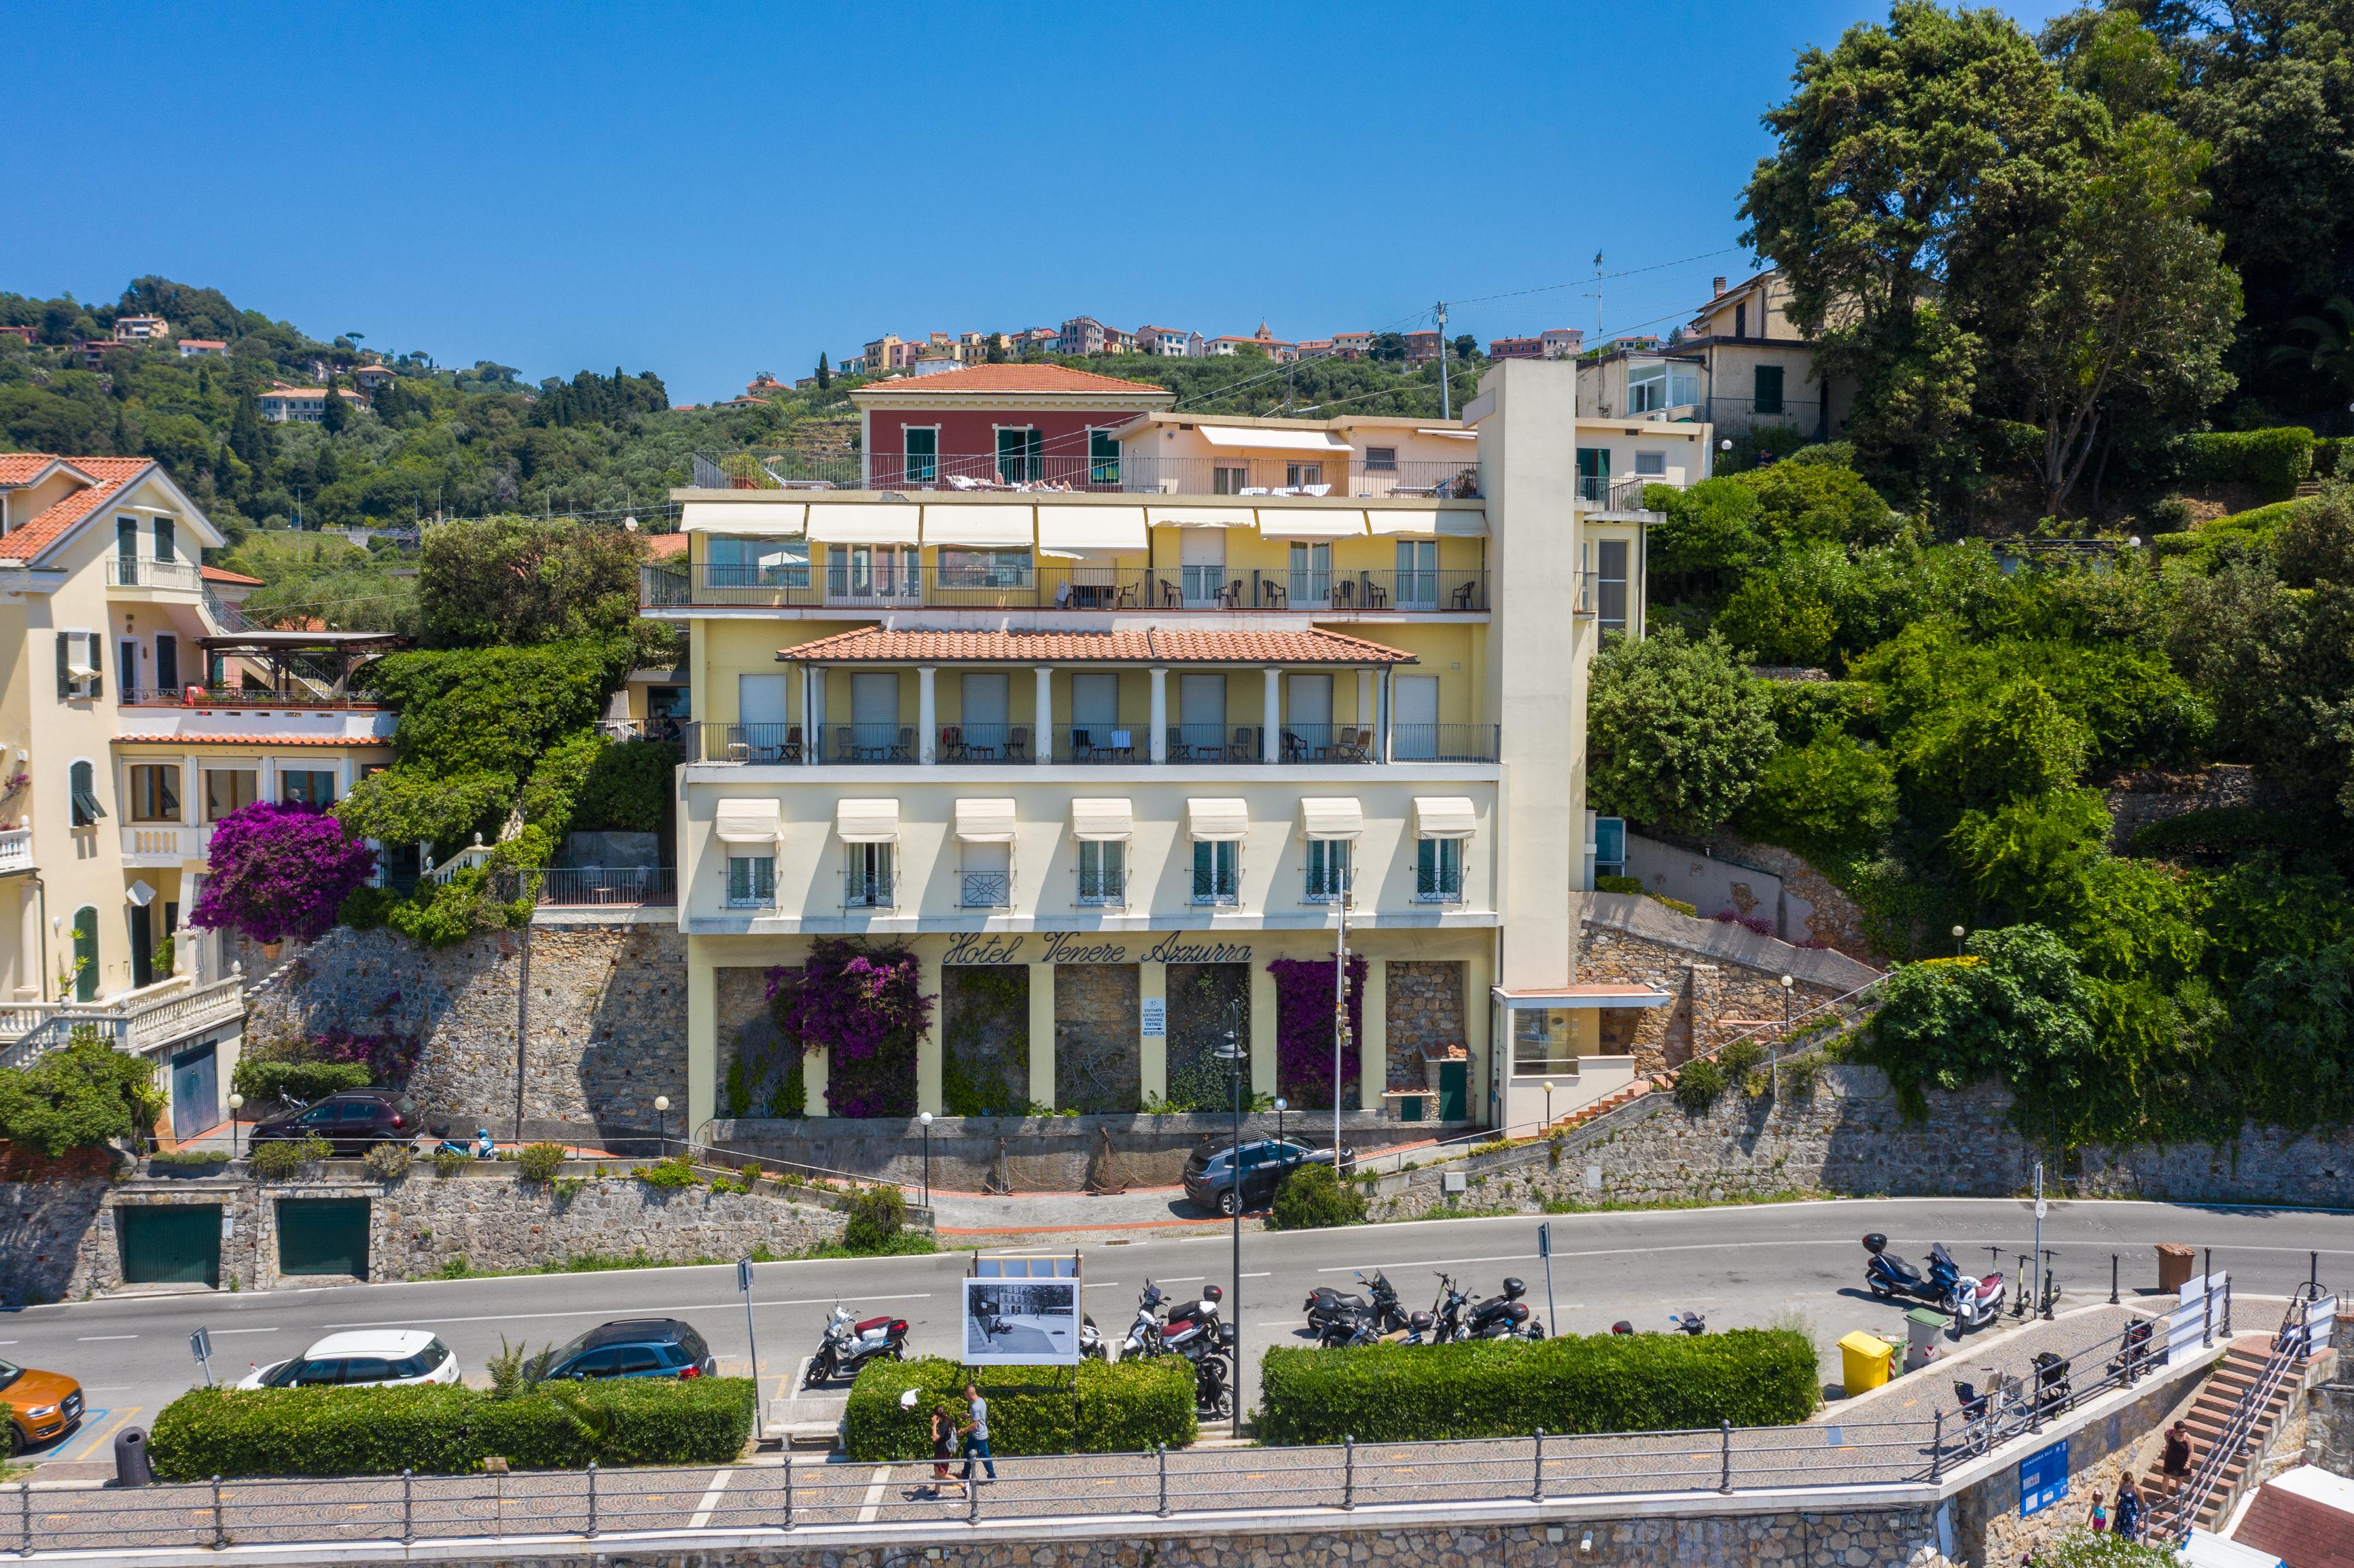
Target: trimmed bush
<point>447,1428</point>
<point>297,1082</point>
<point>540,1162</point>
<point>1120,1407</point>
<point>189,1158</point>
<point>1509,1388</point>
<point>1698,1084</point>
<point>279,1158</point>
<point>2275,462</point>
<point>1314,1198</point>
<point>389,1161</point>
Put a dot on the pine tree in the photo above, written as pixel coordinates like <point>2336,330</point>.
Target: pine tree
<point>245,433</point>
<point>331,412</point>
<point>824,375</point>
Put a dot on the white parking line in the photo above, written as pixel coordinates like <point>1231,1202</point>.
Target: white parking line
<point>603,1311</point>
<point>91,1339</point>
<point>218,1333</point>
<point>710,1500</point>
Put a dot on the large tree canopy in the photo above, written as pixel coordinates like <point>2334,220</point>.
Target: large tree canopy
<point>1677,733</point>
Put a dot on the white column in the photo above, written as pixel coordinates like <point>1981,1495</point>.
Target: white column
<point>1389,691</point>
<point>1364,699</point>
<point>265,778</point>
<point>1270,727</point>
<point>813,714</point>
<point>1046,713</point>
<point>29,941</point>
<point>1159,736</point>
<point>926,712</point>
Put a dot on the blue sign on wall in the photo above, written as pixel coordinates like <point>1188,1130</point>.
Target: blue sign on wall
<point>2043,1478</point>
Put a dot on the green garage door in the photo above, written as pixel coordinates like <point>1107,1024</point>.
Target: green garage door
<point>176,1244</point>
<point>323,1236</point>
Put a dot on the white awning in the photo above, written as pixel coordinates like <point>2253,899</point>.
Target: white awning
<point>867,822</point>
<point>1102,819</point>
<point>1272,441</point>
<point>1426,523</point>
<point>1332,817</point>
<point>1078,530</point>
<point>848,523</point>
<point>1200,518</point>
<point>985,821</point>
<point>744,517</point>
<point>1443,816</point>
<point>1004,526</point>
<point>1216,819</point>
<point>1447,434</point>
<point>1311,523</point>
<point>749,821</point>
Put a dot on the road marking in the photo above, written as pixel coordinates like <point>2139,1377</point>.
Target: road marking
<point>1098,1285</point>
<point>604,1312</point>
<point>710,1500</point>
<point>89,1339</point>
<point>219,1332</point>
<point>1185,1279</point>
<point>1605,1252</point>
<point>874,1504</point>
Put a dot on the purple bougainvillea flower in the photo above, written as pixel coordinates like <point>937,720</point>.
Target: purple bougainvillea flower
<point>280,870</point>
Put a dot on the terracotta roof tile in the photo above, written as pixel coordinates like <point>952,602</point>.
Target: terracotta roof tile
<point>23,468</point>
<point>223,575</point>
<point>113,474</point>
<point>353,740</point>
<point>1143,646</point>
<point>984,379</point>
<point>666,546</point>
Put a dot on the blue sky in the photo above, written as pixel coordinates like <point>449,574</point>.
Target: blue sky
<point>707,191</point>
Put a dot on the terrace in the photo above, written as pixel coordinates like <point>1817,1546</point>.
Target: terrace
<point>1330,474</point>
<point>849,579</point>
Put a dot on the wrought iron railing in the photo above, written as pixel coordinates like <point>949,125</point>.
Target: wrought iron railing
<point>1044,585</point>
<point>1348,475</point>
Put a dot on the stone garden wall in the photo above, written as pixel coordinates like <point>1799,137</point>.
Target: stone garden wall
<point>1099,1062</point>
<point>1424,1008</point>
<point>608,1017</point>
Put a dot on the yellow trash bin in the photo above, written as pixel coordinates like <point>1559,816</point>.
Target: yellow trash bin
<point>1865,1361</point>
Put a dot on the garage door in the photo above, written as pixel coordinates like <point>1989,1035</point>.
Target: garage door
<point>177,1243</point>
<point>323,1236</point>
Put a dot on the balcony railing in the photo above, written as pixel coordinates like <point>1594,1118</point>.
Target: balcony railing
<point>163,843</point>
<point>1123,743</point>
<point>1130,473</point>
<point>169,1011</point>
<point>866,892</point>
<point>618,887</point>
<point>16,849</point>
<point>129,571</point>
<point>236,697</point>
<point>1044,587</point>
<point>1624,495</point>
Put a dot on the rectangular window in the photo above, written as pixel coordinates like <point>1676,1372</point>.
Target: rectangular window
<point>166,547</point>
<point>751,881</point>
<point>1103,871</point>
<point>1328,870</point>
<point>1543,1044</point>
<point>1311,574</point>
<point>1610,583</point>
<point>1767,398</point>
<point>77,676</point>
<point>756,563</point>
<point>156,792</point>
<point>228,789</point>
<point>126,550</point>
<point>1646,389</point>
<point>1214,872</point>
<point>1021,455</point>
<point>1593,474</point>
<point>874,571</point>
<point>964,566</point>
<point>1229,479</point>
<point>1417,574</point>
<point>922,449</point>
<point>167,662</point>
<point>985,881</point>
<point>1438,871</point>
<point>1103,457</point>
<point>1651,465</point>
<point>307,787</point>
<point>1296,475</point>
<point>867,883</point>
<point>1381,460</point>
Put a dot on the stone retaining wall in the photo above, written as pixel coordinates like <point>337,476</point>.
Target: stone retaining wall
<point>608,1017</point>
<point>1845,1136</point>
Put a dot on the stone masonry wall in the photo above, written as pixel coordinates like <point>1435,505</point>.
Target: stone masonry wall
<point>1711,1001</point>
<point>1847,1137</point>
<point>1098,1065</point>
<point>487,1215</point>
<point>608,1017</point>
<point>1424,1008</point>
<point>2138,799</point>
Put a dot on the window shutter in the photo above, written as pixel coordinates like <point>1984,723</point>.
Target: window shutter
<point>97,674</point>
<point>64,676</point>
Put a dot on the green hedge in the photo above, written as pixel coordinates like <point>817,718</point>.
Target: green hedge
<point>261,1081</point>
<point>444,1429</point>
<point>1506,1388</point>
<point>2276,461</point>
<point>2224,830</point>
<point>1121,1407</point>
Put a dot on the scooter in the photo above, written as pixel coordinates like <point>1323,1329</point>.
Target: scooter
<point>1419,1330</point>
<point>1329,1309</point>
<point>1689,1322</point>
<point>1144,1334</point>
<point>849,1345</point>
<point>1974,1303</point>
<point>1888,1277</point>
<point>1504,1317</point>
<point>1091,1344</point>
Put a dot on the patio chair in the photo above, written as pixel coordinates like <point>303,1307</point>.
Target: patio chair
<point>1463,593</point>
<point>845,744</point>
<point>1352,745</point>
<point>1081,745</point>
<point>1178,750</point>
<point>1017,744</point>
<point>1126,600</point>
<point>1235,594</point>
<point>1293,749</point>
<point>1275,594</point>
<point>1344,595</point>
<point>904,748</point>
<point>1123,745</point>
<point>792,751</point>
<point>1246,746</point>
<point>1376,596</point>
<point>952,742</point>
<point>1170,598</point>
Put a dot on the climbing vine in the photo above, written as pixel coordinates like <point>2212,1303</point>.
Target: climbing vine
<point>866,1008</point>
<point>1303,1028</point>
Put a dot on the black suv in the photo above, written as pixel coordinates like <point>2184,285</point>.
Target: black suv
<point>636,1347</point>
<point>354,1121</point>
<point>1210,1172</point>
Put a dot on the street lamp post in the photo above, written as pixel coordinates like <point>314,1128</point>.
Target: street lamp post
<point>1774,1062</point>
<point>1548,1088</point>
<point>1235,1058</point>
<point>236,1103</point>
<point>1959,932</point>
<point>662,1127</point>
<point>1281,1105</point>
<point>925,1118</point>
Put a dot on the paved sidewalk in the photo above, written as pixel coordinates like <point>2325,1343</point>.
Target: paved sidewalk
<point>990,1218</point>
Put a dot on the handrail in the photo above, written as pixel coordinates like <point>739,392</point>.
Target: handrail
<point>2176,1515</point>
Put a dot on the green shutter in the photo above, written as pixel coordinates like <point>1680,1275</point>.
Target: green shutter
<point>64,676</point>
<point>1769,389</point>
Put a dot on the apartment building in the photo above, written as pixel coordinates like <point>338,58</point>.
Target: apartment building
<point>1169,343</point>
<point>1554,343</point>
<point>202,348</point>
<point>1280,350</point>
<point>1119,751</point>
<point>996,426</point>
<point>141,329</point>
<point>137,708</point>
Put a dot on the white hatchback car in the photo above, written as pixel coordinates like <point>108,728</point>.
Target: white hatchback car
<point>374,1357</point>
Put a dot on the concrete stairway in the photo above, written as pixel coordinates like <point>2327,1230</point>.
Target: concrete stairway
<point>2229,1382</point>
<point>1599,1109</point>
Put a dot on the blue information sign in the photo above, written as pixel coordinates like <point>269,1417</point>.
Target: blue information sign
<point>2043,1478</point>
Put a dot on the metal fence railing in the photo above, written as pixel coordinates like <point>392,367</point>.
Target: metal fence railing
<point>1043,586</point>
<point>614,886</point>
<point>1126,742</point>
<point>1362,475</point>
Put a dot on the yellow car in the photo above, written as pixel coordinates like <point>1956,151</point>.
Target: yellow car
<point>42,1405</point>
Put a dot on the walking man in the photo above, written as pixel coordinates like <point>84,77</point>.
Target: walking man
<point>976,1435</point>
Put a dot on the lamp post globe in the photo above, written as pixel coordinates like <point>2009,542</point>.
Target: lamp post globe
<point>236,1103</point>
<point>1959,932</point>
<point>1236,1060</point>
<point>1281,1105</point>
<point>662,1126</point>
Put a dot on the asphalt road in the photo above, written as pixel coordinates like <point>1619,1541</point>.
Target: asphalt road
<point>1739,1265</point>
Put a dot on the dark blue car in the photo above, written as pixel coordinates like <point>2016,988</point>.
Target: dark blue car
<point>636,1347</point>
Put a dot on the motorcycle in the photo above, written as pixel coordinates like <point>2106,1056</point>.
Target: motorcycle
<point>1091,1344</point>
<point>849,1345</point>
<point>1419,1330</point>
<point>1974,1303</point>
<point>1329,1310</point>
<point>1689,1322</point>
<point>1504,1317</point>
<point>1888,1277</point>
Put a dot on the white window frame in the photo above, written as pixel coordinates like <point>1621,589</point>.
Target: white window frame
<point>864,865</point>
<point>754,898</point>
<point>1317,886</point>
<point>1651,465</point>
<point>1229,849</point>
<point>1097,848</point>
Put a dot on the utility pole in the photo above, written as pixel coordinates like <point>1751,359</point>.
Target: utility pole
<point>1598,299</point>
<point>1446,411</point>
<point>1341,997</point>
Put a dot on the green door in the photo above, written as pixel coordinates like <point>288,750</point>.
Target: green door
<point>323,1236</point>
<point>85,954</point>
<point>1454,1097</point>
<point>174,1244</point>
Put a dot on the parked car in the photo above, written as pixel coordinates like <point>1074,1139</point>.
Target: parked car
<point>354,1120</point>
<point>1210,1172</point>
<point>636,1347</point>
<point>367,1358</point>
<point>42,1407</point>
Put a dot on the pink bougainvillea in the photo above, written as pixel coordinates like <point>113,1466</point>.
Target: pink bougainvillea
<point>866,1007</point>
<point>280,870</point>
<point>1303,1028</point>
